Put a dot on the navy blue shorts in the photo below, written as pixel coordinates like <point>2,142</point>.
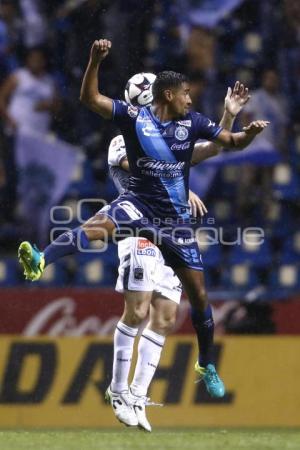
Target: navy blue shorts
<point>175,240</point>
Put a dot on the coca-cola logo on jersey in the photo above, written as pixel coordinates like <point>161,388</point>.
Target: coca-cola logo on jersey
<point>183,146</point>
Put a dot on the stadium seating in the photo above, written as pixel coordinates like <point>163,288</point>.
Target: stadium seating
<point>240,277</point>
<point>222,211</point>
<point>97,269</point>
<point>279,220</point>
<point>286,182</point>
<point>9,275</point>
<point>291,250</point>
<point>210,249</point>
<point>251,252</point>
<point>82,184</point>
<point>285,278</point>
<point>295,150</point>
<point>54,275</point>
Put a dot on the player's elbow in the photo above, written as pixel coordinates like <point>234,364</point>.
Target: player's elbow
<point>82,98</point>
<point>88,101</point>
<point>85,99</point>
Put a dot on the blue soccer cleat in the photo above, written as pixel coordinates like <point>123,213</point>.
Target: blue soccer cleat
<point>214,385</point>
<point>32,261</point>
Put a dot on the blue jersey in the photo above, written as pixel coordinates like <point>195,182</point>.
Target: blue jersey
<point>159,156</point>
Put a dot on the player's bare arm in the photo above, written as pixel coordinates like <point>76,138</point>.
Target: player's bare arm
<point>89,93</point>
<point>235,100</point>
<point>242,139</point>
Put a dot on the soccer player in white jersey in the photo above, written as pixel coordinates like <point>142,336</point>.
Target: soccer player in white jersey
<point>146,280</point>
<point>160,140</point>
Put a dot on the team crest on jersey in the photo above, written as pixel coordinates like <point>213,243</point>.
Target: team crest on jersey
<point>181,133</point>
<point>138,273</point>
<point>132,111</point>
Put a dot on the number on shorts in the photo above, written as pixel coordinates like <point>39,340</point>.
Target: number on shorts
<point>131,210</point>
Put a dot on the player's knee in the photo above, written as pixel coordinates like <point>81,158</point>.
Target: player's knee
<point>140,314</point>
<point>163,324</point>
<point>98,227</point>
<point>135,315</point>
<point>168,324</point>
<point>199,300</point>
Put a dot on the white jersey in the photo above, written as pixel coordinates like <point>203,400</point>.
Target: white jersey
<point>142,266</point>
<point>29,91</point>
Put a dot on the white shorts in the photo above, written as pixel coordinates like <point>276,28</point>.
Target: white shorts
<point>142,268</point>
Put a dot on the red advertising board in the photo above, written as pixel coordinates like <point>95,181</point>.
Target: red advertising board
<point>90,311</point>
<point>66,312</point>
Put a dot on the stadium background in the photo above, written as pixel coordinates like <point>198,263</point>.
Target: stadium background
<point>58,379</point>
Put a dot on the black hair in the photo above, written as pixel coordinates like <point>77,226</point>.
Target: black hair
<point>167,80</point>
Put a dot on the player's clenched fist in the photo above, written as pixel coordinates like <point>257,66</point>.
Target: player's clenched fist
<point>100,50</point>
<point>256,127</point>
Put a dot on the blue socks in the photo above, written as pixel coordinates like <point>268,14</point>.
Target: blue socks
<point>67,243</point>
<point>203,323</point>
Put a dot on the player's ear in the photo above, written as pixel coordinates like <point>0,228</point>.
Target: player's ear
<point>168,94</point>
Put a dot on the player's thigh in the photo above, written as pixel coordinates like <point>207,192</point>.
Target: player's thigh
<point>167,284</point>
<point>99,227</point>
<point>137,303</point>
<point>194,285</point>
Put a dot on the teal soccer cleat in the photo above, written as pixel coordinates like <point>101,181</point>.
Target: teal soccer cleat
<point>32,261</point>
<point>214,385</point>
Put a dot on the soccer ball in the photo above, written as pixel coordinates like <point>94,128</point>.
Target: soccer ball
<point>138,90</point>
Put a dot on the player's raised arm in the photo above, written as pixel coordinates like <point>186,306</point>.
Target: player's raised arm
<point>234,102</point>
<point>89,92</point>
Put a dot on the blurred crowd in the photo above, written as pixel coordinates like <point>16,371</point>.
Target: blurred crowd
<point>44,48</point>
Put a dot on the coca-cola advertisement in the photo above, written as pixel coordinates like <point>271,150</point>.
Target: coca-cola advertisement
<point>67,312</point>
<point>91,311</point>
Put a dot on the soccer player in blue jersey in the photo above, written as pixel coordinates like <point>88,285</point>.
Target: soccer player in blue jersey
<point>157,285</point>
<point>159,141</point>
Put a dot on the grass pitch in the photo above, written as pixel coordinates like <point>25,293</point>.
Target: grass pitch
<point>161,439</point>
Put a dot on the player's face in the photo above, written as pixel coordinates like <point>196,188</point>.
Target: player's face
<point>181,100</point>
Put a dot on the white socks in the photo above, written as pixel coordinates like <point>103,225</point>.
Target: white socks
<point>149,351</point>
<point>123,348</point>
